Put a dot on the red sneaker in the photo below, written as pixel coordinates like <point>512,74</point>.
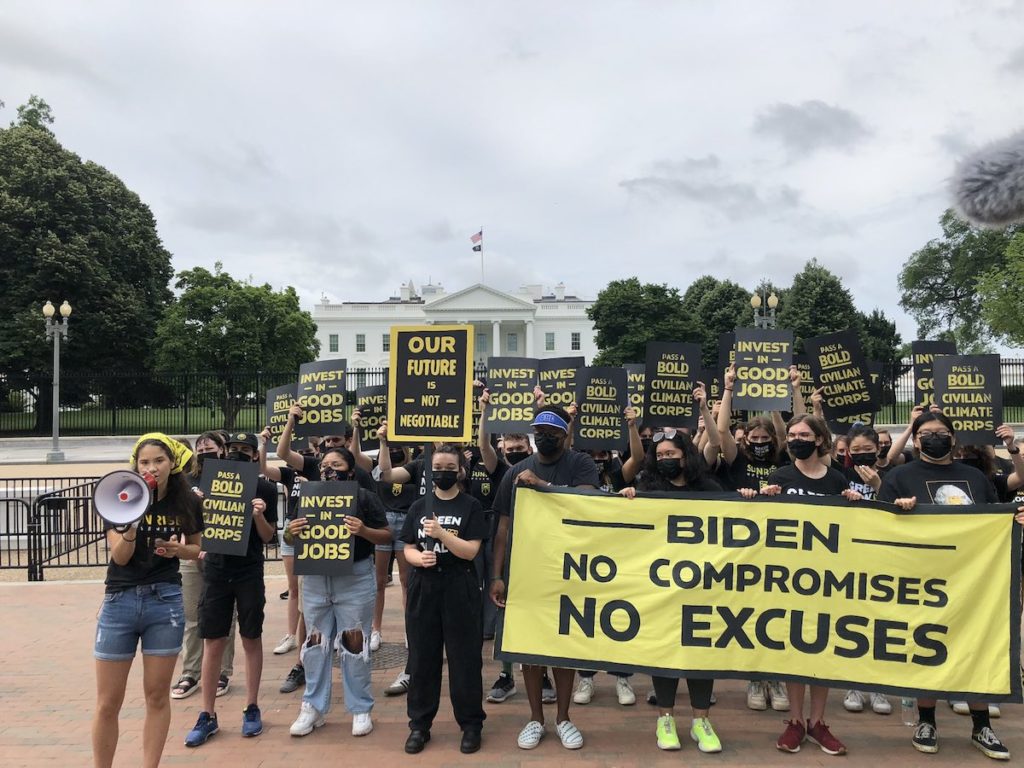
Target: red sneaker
<point>792,737</point>
<point>820,735</point>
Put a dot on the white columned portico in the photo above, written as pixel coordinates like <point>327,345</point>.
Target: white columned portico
<point>528,347</point>
<point>495,338</point>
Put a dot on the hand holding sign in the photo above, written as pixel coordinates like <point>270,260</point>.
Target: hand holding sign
<point>354,524</point>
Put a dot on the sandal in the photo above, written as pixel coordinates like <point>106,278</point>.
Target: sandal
<point>223,685</point>
<point>184,688</point>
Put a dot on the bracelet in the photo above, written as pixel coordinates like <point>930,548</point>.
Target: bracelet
<point>727,389</point>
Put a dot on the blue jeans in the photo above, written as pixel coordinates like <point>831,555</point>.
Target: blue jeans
<point>154,614</point>
<point>331,605</point>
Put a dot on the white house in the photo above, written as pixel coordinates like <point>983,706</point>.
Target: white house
<point>528,323</point>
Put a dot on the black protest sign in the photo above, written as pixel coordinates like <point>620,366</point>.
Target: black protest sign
<point>557,376</point>
<point>228,490</point>
<point>372,403</point>
<point>635,386</point>
<point>763,357</point>
<point>726,351</point>
<point>510,383</point>
<point>807,385</point>
<point>430,384</point>
<point>324,547</point>
<point>601,397</point>
<point>670,377</point>
<point>321,393</point>
<point>969,390</point>
<point>279,400</point>
<point>841,425</point>
<point>923,354</point>
<point>841,371</point>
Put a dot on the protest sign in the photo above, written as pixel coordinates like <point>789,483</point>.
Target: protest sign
<point>325,547</point>
<point>510,383</point>
<point>430,384</point>
<point>321,393</point>
<point>841,425</point>
<point>635,386</point>
<point>726,351</point>
<point>809,589</point>
<point>923,354</point>
<point>557,377</point>
<point>763,357</point>
<point>807,384</point>
<point>601,399</point>
<point>279,400</point>
<point>969,390</point>
<point>372,403</point>
<point>841,371</point>
<point>228,490</point>
<point>669,379</point>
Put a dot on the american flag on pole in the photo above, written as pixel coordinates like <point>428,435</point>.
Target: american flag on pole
<point>477,237</point>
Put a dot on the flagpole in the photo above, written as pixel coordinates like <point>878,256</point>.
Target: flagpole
<point>481,255</point>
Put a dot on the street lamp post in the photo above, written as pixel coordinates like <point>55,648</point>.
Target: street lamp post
<point>54,331</point>
<point>766,317</point>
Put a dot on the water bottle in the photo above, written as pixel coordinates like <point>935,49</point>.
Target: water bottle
<point>908,708</point>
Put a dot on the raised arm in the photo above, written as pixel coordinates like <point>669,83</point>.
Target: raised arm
<point>362,460</point>
<point>284,442</point>
<point>487,453</point>
<point>795,380</point>
<point>1016,479</point>
<point>389,474</point>
<point>271,473</point>
<point>713,445</point>
<point>631,467</point>
<point>899,443</point>
<point>725,415</point>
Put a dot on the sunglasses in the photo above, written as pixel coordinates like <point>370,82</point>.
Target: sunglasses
<point>668,434</point>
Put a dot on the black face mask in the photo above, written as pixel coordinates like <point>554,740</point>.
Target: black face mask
<point>444,479</point>
<point>330,473</point>
<point>548,445</point>
<point>863,459</point>
<point>760,451</point>
<point>801,449</point>
<point>514,457</point>
<point>935,447</point>
<point>397,457</point>
<point>669,468</point>
<point>602,465</point>
<point>238,456</point>
<point>646,442</point>
<point>201,457</point>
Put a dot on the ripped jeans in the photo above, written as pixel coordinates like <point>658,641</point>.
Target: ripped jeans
<point>332,605</point>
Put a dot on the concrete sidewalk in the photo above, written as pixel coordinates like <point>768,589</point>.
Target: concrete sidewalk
<point>49,693</point>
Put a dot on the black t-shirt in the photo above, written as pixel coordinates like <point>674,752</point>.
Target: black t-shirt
<point>235,567</point>
<point>483,485</point>
<point>744,473</point>
<point>572,469</point>
<point>705,484</point>
<point>292,486</point>
<point>463,516</point>
<point>793,481</point>
<point>145,566</point>
<point>370,509</point>
<point>858,485</point>
<point>311,471</point>
<point>398,497</point>
<point>949,484</point>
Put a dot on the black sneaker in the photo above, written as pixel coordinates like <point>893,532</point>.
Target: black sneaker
<point>547,690</point>
<point>296,678</point>
<point>989,744</point>
<point>503,688</point>
<point>926,738</point>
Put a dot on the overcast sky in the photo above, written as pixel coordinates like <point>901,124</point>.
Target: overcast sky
<point>346,147</point>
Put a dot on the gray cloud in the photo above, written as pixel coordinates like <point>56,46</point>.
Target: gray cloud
<point>955,142</point>
<point>1015,63</point>
<point>810,126</point>
<point>21,49</point>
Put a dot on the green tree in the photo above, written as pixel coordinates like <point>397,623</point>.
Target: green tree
<point>938,282</point>
<point>628,314</point>
<point>879,338</point>
<point>715,307</point>
<point>70,229</point>
<point>220,325</point>
<point>816,304</point>
<point>1000,291</point>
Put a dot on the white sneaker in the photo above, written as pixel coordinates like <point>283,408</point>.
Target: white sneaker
<point>960,707</point>
<point>624,691</point>
<point>569,734</point>
<point>584,691</point>
<point>755,696</point>
<point>287,644</point>
<point>375,638</point>
<point>853,701</point>
<point>779,695</point>
<point>993,711</point>
<point>531,735</point>
<point>361,724</point>
<point>308,719</point>
<point>880,705</point>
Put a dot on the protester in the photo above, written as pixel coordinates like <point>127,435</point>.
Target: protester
<point>230,583</point>
<point>143,600</point>
<point>339,610</point>
<point>553,464</point>
<point>934,478</point>
<point>442,535</point>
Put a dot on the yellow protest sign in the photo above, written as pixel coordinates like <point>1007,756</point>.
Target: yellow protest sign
<point>820,590</point>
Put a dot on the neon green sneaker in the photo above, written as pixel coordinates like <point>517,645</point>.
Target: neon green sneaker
<point>667,736</point>
<point>705,736</point>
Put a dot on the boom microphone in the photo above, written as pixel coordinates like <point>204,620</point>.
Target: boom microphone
<point>989,184</point>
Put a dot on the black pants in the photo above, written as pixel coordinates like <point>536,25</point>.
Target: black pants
<point>443,614</point>
<point>700,691</point>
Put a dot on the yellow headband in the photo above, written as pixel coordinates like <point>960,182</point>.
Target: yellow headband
<point>179,451</point>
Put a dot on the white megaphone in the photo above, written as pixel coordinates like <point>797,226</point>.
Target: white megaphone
<point>122,497</point>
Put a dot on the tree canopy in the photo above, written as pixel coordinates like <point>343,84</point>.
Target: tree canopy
<point>628,314</point>
<point>1001,290</point>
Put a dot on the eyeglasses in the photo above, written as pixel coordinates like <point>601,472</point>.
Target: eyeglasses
<point>942,434</point>
<point>668,434</point>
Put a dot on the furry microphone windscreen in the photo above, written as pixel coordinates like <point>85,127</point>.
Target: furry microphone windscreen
<point>989,184</point>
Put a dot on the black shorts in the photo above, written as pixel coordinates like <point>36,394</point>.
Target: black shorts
<point>218,603</point>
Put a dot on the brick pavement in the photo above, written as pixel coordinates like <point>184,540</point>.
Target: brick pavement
<point>47,691</point>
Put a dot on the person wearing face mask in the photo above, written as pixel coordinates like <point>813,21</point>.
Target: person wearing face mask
<point>808,443</point>
<point>442,534</point>
<point>673,465</point>
<point>209,445</point>
<point>230,583</point>
<point>1006,474</point>
<point>935,478</point>
<point>553,464</point>
<point>339,609</point>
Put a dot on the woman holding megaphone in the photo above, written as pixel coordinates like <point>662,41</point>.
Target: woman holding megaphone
<point>143,595</point>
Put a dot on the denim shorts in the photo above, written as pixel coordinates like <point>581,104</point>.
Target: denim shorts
<point>395,521</point>
<point>154,613</point>
<point>286,549</point>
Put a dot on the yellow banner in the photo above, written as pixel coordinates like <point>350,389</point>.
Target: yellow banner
<point>821,590</point>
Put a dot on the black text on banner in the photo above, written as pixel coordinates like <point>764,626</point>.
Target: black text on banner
<point>228,490</point>
<point>325,546</point>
